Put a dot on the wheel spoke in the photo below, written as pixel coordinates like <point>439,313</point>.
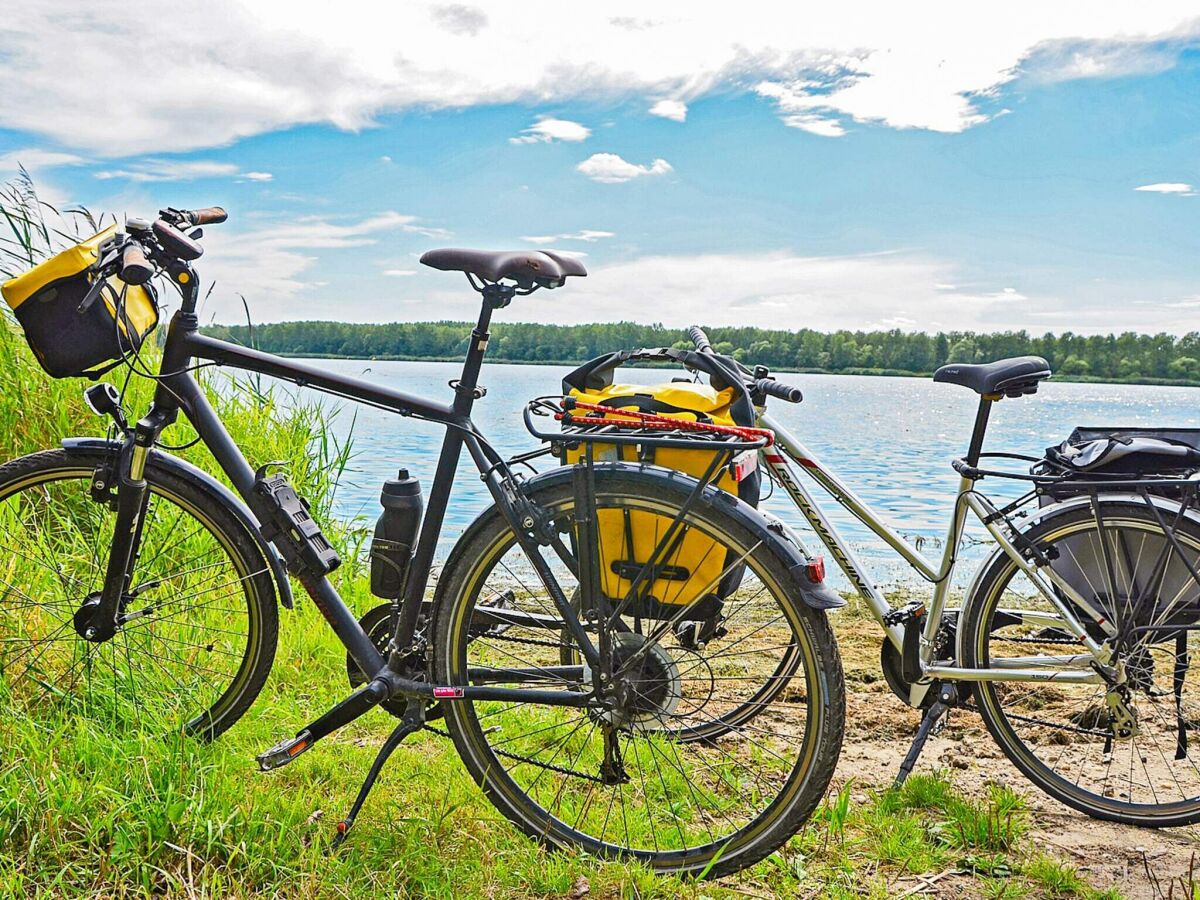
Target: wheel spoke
<point>190,657</point>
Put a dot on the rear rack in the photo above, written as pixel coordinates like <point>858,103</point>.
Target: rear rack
<point>590,423</point>
<point>1055,475</point>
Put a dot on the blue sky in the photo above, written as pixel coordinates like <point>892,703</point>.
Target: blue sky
<point>848,168</point>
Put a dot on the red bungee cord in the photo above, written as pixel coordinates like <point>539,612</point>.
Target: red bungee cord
<point>637,419</point>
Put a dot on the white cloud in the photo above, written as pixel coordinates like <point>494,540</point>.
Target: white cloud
<point>1069,59</point>
<point>235,70</point>
<point>35,160</point>
<point>608,168</point>
<point>269,262</point>
<point>903,290</point>
<point>398,273</point>
<point>1168,187</point>
<point>459,19</point>
<point>588,235</point>
<point>548,129</point>
<point>675,110</point>
<point>778,290</point>
<point>152,170</point>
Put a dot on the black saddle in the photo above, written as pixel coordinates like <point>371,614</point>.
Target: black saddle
<point>1010,377</point>
<point>526,267</point>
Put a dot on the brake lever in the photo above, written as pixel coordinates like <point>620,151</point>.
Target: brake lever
<point>93,293</point>
<point>108,254</point>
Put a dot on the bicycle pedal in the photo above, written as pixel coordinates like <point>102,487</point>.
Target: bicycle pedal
<point>905,614</point>
<point>284,752</point>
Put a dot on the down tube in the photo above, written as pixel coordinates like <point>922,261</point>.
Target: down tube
<point>215,436</point>
<point>841,552</point>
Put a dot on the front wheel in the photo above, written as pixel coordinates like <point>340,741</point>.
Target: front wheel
<point>197,625</point>
<point>630,779</point>
<point>1129,754</point>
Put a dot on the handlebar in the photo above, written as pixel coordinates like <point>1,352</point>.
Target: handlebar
<point>211,215</point>
<point>773,388</point>
<point>135,267</point>
<point>699,338</point>
<point>760,388</point>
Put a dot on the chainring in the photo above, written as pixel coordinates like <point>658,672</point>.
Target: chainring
<point>378,624</point>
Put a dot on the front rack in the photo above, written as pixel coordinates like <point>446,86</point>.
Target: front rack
<point>589,423</point>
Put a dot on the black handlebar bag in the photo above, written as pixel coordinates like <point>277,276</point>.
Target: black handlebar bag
<point>71,333</point>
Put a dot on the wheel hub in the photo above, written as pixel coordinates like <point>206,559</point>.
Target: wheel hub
<point>648,693</point>
<point>86,624</point>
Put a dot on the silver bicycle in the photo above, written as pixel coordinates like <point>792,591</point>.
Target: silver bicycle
<point>1073,639</point>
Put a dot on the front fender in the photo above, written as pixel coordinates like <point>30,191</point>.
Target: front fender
<point>219,493</point>
<point>816,595</point>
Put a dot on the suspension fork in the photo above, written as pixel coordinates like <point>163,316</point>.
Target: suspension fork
<point>133,498</point>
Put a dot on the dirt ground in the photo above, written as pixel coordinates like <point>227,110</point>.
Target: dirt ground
<point>1140,863</point>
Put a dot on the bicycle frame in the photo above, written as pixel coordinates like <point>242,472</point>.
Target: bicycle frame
<point>178,392</point>
<point>788,449</point>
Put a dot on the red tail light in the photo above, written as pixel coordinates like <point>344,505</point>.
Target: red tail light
<point>816,570</point>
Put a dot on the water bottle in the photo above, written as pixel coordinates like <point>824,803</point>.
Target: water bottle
<point>395,534</point>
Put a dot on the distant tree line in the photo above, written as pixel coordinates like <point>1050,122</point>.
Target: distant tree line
<point>1125,357</point>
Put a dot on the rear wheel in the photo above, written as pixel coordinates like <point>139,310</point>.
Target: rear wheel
<point>630,778</point>
<point>1075,740</point>
<point>198,624</point>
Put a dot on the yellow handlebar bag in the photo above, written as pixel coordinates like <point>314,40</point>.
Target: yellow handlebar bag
<point>696,571</point>
<point>71,339</point>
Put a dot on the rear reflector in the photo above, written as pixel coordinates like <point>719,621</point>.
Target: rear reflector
<point>745,464</point>
<point>816,569</point>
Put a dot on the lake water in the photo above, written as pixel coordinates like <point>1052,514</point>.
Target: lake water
<point>891,439</point>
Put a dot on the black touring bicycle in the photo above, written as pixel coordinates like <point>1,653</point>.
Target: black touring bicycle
<point>630,660</point>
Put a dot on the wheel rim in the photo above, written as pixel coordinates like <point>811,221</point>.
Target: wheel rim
<point>691,798</point>
<point>1063,735</point>
<point>187,646</point>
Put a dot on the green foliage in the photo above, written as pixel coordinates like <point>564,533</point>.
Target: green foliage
<point>1127,356</point>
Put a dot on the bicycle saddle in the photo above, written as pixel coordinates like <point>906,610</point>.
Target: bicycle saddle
<point>1011,377</point>
<point>526,267</point>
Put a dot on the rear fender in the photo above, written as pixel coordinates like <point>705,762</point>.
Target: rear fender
<point>219,493</point>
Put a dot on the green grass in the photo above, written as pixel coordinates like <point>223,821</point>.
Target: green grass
<point>89,810</point>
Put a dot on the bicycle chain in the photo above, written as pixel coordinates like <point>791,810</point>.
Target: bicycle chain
<point>1076,728</point>
<point>561,770</point>
<point>501,636</point>
<point>968,707</point>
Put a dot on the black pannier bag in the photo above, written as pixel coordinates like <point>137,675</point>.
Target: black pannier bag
<point>1091,456</point>
<point>69,337</point>
<point>1088,459</point>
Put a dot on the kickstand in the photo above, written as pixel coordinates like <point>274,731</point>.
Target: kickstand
<point>413,720</point>
<point>947,698</point>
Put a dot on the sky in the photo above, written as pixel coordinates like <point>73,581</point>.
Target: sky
<point>865,165</point>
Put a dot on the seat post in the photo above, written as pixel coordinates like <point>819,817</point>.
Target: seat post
<point>981,422</point>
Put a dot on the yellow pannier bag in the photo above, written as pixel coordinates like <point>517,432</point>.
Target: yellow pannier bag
<point>628,537</point>
<point>71,338</point>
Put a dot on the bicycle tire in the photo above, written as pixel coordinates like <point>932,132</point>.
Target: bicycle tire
<point>462,582</point>
<point>1028,744</point>
<point>242,638</point>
